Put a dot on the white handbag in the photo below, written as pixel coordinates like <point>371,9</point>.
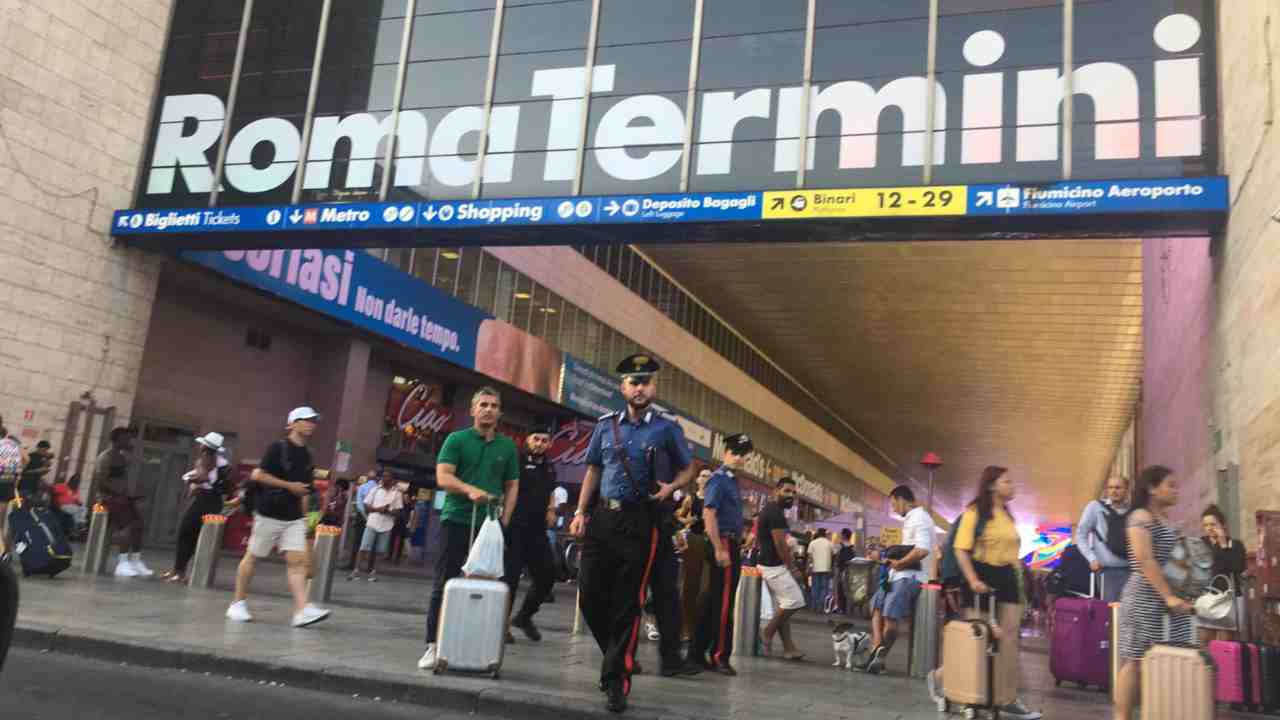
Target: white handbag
<point>1217,608</point>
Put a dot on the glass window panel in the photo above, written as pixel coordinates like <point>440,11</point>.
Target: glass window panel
<point>740,17</point>
<point>744,165</point>
<point>887,50</point>
<point>487,285</point>
<point>456,271</point>
<point>647,68</point>
<point>751,61</point>
<point>627,21</point>
<point>843,12</point>
<point>521,301</point>
<point>424,265</point>
<point>515,76</point>
<point>451,35</point>
<point>399,258</point>
<point>445,83</point>
<point>523,175</point>
<point>548,26</point>
<point>425,7</point>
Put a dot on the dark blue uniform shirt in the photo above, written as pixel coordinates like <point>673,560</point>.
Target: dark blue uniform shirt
<point>653,446</point>
<point>721,495</point>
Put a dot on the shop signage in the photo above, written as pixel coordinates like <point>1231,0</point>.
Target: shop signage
<point>569,444</point>
<point>415,408</point>
<point>1206,194</point>
<point>359,289</point>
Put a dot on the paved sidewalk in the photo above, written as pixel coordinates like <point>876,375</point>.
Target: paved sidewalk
<point>374,652</point>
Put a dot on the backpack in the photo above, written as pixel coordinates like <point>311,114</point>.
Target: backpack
<point>1117,539</point>
<point>10,459</point>
<point>1071,576</point>
<point>948,569</point>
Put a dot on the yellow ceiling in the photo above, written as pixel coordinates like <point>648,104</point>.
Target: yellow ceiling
<point>1019,353</point>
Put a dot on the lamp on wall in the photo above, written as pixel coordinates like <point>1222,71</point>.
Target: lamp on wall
<point>931,462</point>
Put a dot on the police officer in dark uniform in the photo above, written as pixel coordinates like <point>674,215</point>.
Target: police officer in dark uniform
<point>527,544</point>
<point>722,518</point>
<point>627,452</point>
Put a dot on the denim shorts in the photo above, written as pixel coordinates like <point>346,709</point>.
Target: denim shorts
<point>374,541</point>
<point>899,601</point>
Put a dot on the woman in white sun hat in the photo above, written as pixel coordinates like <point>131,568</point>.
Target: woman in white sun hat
<point>206,489</point>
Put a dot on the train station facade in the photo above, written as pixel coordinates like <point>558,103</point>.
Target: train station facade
<point>376,207</point>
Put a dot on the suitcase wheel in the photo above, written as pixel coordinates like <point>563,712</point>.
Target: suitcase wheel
<point>494,671</point>
<point>970,713</point>
<point>1057,682</point>
<point>441,666</point>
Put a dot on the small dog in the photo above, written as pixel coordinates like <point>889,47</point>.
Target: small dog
<point>847,644</point>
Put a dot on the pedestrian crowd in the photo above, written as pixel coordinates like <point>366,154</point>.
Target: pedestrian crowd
<point>660,542</point>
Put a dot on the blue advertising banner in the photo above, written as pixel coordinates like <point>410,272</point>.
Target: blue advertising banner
<point>357,288</point>
<point>1106,196</point>
<point>1182,195</point>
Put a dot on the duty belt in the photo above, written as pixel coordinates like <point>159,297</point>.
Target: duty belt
<point>615,505</point>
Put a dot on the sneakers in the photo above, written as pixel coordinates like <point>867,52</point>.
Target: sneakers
<point>373,576</point>
<point>875,664</point>
<point>652,631</point>
<point>528,628</point>
<point>1017,711</point>
<point>310,615</point>
<point>355,575</point>
<point>428,659</point>
<point>935,692</point>
<point>124,568</point>
<point>139,567</point>
<point>239,612</point>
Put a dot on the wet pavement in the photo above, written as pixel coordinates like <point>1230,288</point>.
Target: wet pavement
<point>374,638</point>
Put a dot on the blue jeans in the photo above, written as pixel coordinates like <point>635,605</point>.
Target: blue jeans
<point>821,586</point>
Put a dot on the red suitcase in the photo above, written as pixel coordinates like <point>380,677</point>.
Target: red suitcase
<point>1228,658</point>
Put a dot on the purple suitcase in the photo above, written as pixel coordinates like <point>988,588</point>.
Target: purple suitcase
<point>1228,657</point>
<point>1080,648</point>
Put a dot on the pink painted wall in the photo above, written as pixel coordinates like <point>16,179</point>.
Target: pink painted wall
<point>1178,305</point>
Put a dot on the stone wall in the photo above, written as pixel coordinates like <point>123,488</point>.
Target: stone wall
<point>76,85</point>
<point>1246,360</point>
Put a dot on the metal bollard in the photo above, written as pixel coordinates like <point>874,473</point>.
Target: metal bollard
<point>746,620</point>
<point>324,558</point>
<point>1115,648</point>
<point>204,564</point>
<point>577,613</point>
<point>98,545</point>
<point>923,654</point>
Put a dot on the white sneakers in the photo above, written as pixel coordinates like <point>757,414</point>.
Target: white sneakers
<point>310,615</point>
<point>239,612</point>
<point>428,660</point>
<point>935,692</point>
<point>652,631</point>
<point>131,565</point>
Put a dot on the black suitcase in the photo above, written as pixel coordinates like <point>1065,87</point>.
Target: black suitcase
<point>37,540</point>
<point>1270,659</point>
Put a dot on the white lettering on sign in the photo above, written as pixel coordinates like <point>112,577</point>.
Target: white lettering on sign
<point>639,137</point>
<point>315,271</point>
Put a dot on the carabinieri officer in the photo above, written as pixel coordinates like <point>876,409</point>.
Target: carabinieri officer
<point>722,516</point>
<point>621,537</point>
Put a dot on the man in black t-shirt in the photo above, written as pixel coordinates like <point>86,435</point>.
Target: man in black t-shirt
<point>527,544</point>
<point>777,568</point>
<point>281,485</point>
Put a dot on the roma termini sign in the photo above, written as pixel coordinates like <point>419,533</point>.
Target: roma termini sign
<point>997,105</point>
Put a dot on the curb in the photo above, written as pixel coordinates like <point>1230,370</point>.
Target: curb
<point>485,702</point>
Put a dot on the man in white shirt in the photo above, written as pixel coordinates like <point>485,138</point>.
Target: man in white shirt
<point>894,603</point>
<point>820,554</point>
<point>382,503</point>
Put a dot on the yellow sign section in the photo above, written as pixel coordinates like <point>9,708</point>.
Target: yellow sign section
<point>867,202</point>
<point>890,536</point>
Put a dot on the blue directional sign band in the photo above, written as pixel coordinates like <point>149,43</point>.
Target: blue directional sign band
<point>1162,195</point>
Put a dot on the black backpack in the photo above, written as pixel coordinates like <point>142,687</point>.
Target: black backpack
<point>1117,539</point>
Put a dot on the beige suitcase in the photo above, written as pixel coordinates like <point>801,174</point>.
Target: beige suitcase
<point>1177,683</point>
<point>969,676</point>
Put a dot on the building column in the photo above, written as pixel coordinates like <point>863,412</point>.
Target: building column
<point>337,386</point>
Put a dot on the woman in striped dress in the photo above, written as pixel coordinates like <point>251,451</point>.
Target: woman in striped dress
<point>1147,600</point>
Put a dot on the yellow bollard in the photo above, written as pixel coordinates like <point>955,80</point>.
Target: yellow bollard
<point>98,545</point>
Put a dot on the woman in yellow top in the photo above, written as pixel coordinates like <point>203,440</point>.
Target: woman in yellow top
<point>990,563</point>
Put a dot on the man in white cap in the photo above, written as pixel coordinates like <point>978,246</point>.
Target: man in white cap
<point>277,495</point>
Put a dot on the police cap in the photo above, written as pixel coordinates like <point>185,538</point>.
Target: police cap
<point>739,444</point>
<point>639,365</point>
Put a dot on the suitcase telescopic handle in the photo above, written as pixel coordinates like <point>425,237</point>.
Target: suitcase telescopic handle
<point>488,509</point>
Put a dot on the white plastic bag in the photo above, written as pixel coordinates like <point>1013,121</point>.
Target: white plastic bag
<point>486,557</point>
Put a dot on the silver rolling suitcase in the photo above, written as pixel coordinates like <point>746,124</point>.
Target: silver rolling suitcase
<point>473,621</point>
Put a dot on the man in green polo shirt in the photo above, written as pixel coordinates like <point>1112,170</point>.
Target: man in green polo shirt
<point>474,466</point>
